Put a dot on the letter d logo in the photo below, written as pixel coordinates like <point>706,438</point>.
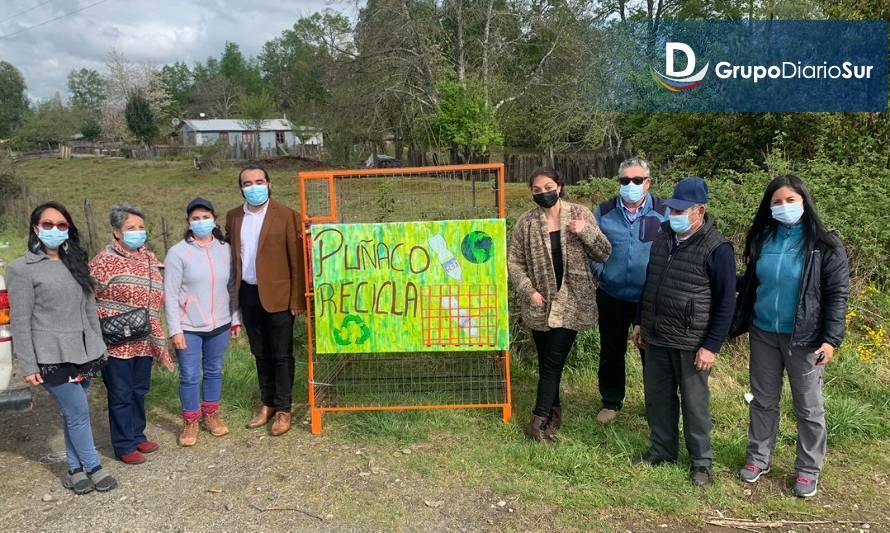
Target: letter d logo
<point>669,51</point>
<point>682,80</point>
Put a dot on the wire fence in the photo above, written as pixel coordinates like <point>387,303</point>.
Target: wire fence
<point>420,380</point>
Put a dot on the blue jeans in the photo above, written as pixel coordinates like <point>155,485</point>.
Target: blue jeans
<point>79,445</point>
<point>127,382</point>
<point>205,353</point>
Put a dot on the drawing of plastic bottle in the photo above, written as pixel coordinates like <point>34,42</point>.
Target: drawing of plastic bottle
<point>467,324</point>
<point>446,258</point>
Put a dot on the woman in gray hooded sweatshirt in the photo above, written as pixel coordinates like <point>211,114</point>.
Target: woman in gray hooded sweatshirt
<point>57,338</point>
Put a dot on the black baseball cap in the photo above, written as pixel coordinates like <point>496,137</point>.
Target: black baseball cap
<point>199,202</point>
<point>688,192</point>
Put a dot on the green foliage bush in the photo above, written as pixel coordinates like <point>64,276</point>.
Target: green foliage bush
<point>849,198</point>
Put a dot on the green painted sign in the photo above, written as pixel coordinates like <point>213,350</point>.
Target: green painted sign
<point>410,286</point>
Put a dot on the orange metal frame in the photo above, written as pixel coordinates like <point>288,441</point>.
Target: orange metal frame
<point>315,412</point>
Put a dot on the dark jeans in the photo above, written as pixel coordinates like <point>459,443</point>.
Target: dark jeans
<point>127,382</point>
<point>666,371</point>
<point>553,349</point>
<point>271,337</point>
<point>615,319</point>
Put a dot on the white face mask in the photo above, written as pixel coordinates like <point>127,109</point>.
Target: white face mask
<point>787,214</point>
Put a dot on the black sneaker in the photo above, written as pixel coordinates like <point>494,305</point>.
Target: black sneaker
<point>651,459</point>
<point>102,479</point>
<point>78,482</point>
<point>701,476</point>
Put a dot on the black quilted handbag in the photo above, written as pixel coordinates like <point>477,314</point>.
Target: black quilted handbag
<point>130,326</point>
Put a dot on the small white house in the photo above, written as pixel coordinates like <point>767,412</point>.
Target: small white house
<point>274,133</point>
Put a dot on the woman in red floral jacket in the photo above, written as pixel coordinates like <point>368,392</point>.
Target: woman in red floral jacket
<point>128,278</point>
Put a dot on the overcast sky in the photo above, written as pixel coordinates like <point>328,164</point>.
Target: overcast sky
<point>157,31</point>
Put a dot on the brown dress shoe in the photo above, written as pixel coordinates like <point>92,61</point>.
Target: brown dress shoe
<point>281,425</point>
<point>535,430</point>
<point>189,434</point>
<point>262,416</point>
<point>215,425</point>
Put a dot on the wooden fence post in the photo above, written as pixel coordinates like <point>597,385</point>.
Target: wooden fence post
<point>165,235</point>
<point>92,234</point>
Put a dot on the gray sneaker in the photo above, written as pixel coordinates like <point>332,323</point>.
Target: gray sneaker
<point>805,486</point>
<point>750,473</point>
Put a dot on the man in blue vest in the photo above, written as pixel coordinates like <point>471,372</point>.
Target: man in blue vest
<point>630,221</point>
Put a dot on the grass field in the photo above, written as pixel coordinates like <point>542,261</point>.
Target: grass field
<point>591,479</point>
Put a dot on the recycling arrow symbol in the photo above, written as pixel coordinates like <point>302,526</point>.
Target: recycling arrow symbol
<point>345,328</point>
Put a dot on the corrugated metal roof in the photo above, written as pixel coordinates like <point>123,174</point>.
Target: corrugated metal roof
<point>216,124</point>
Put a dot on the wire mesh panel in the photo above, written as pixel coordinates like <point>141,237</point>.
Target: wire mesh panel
<point>452,316</point>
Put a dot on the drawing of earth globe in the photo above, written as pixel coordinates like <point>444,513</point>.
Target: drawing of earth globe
<point>477,247</point>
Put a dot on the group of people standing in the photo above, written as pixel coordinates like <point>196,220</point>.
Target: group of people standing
<point>73,319</point>
<point>657,269</point>
<point>662,271</point>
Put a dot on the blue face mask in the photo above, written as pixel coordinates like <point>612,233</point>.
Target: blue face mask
<point>134,239</point>
<point>680,223</point>
<point>787,214</point>
<point>256,195</point>
<point>202,228</point>
<point>631,192</point>
<point>52,238</point>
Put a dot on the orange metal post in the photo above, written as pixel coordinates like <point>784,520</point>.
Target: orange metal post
<point>315,410</point>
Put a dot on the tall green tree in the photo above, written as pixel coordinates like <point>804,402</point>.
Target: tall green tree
<point>140,118</point>
<point>465,121</point>
<point>13,100</point>
<point>50,122</point>
<point>253,111</point>
<point>87,90</point>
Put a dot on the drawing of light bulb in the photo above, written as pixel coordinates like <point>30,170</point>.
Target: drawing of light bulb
<point>446,258</point>
<point>469,325</point>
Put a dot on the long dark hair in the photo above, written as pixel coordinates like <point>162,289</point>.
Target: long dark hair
<point>764,225</point>
<point>71,253</point>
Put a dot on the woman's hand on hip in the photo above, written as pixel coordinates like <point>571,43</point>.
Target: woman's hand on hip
<point>179,341</point>
<point>826,351</point>
<point>34,379</point>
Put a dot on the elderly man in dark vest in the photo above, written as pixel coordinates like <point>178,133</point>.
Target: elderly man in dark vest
<point>683,319</point>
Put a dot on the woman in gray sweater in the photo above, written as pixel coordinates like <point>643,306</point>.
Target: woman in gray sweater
<point>56,334</point>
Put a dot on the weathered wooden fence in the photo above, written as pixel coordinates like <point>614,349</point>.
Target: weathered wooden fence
<point>574,167</point>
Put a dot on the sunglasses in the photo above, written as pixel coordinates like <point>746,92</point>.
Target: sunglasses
<point>626,181</point>
<point>47,225</point>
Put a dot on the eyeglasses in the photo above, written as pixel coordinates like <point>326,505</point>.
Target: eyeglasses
<point>47,225</point>
<point>637,181</point>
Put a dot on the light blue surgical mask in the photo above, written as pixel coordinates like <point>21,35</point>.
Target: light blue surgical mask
<point>134,239</point>
<point>256,195</point>
<point>680,223</point>
<point>631,192</point>
<point>52,238</point>
<point>202,228</point>
<point>788,214</point>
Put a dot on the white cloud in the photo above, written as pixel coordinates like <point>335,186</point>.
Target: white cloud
<point>159,31</point>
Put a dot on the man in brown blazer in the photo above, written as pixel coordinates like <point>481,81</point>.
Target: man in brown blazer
<point>267,253</point>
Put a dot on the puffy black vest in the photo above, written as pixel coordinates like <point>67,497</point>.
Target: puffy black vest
<point>677,298</point>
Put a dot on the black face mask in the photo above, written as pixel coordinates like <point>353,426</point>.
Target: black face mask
<point>546,199</point>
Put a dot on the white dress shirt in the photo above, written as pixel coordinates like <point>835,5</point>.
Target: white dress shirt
<point>250,241</point>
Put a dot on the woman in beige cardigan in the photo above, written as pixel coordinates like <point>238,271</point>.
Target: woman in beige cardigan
<point>550,253</point>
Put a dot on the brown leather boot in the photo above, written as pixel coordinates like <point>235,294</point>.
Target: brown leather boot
<point>554,422</point>
<point>189,434</point>
<point>261,418</point>
<point>535,430</point>
<point>214,424</point>
<point>281,425</point>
